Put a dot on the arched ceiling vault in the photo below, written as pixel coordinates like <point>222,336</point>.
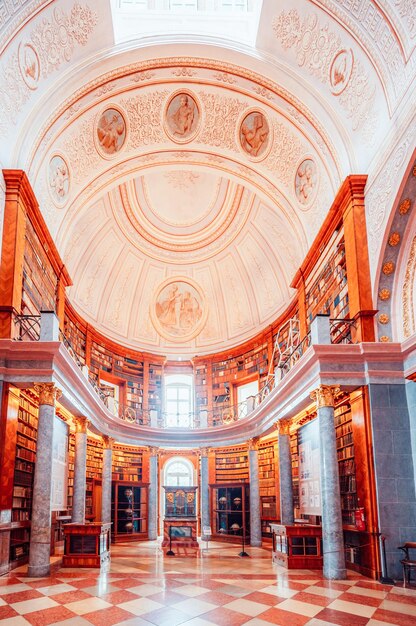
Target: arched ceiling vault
<point>184,180</point>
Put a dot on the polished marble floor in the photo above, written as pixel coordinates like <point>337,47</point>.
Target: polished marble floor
<point>219,588</point>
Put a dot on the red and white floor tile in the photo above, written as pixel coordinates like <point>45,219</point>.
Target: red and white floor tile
<point>219,588</point>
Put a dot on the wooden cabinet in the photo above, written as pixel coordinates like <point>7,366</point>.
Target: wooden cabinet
<point>298,546</point>
<point>230,507</point>
<point>87,545</point>
<point>129,511</point>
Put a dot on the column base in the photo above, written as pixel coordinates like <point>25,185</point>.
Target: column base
<point>335,574</point>
<point>255,544</point>
<point>38,571</point>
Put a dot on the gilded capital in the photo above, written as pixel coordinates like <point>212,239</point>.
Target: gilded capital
<point>81,424</point>
<point>204,452</point>
<point>283,426</point>
<point>253,443</point>
<point>107,442</point>
<point>324,395</point>
<point>153,450</point>
<point>48,393</point>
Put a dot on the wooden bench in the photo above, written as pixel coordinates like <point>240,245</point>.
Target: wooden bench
<point>407,563</point>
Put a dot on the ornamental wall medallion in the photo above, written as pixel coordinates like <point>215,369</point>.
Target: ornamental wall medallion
<point>58,179</point>
<point>178,311</point>
<point>255,135</point>
<point>340,71</point>
<point>384,294</point>
<point>182,117</point>
<point>306,182</point>
<point>405,206</point>
<point>29,65</point>
<point>110,132</point>
<point>388,268</point>
<point>394,239</point>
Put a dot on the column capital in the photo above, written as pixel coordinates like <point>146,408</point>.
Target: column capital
<point>81,424</point>
<point>324,395</point>
<point>48,393</point>
<point>107,442</point>
<point>283,426</point>
<point>204,452</point>
<point>154,451</point>
<point>253,443</point>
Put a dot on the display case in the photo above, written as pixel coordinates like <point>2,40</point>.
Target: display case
<point>230,505</point>
<point>180,501</point>
<point>297,546</point>
<point>87,545</point>
<point>129,511</point>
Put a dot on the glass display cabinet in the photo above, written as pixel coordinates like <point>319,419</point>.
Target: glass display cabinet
<point>297,546</point>
<point>129,511</point>
<point>230,505</point>
<point>180,501</point>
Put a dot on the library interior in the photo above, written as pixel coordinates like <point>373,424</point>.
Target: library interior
<point>208,312</point>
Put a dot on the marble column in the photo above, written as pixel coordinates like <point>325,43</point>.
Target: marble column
<point>255,508</point>
<point>204,490</point>
<point>40,533</point>
<point>106,479</point>
<point>80,468</point>
<point>285,473</point>
<point>332,535</point>
<point>153,492</point>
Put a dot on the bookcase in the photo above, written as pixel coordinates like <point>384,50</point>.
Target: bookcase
<point>328,294</point>
<point>127,464</point>
<point>39,278</point>
<point>346,463</point>
<point>25,460</point>
<point>230,506</point>
<point>294,451</point>
<point>231,465</point>
<point>155,393</point>
<point>234,368</point>
<point>202,378</point>
<point>76,337</point>
<point>129,511</point>
<point>267,483</point>
<point>93,471</point>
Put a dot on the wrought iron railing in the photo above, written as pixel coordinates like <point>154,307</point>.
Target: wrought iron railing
<point>296,353</point>
<point>340,330</point>
<point>27,327</point>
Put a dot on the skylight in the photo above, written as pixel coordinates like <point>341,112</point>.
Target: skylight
<point>236,20</point>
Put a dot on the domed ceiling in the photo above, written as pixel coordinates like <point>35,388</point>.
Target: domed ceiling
<point>184,182</point>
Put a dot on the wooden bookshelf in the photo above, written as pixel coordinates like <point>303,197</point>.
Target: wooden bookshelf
<point>93,471</point>
<point>25,459</point>
<point>267,483</point>
<point>294,451</point>
<point>346,463</point>
<point>39,278</point>
<point>155,389</point>
<point>328,293</point>
<point>127,464</point>
<point>231,465</point>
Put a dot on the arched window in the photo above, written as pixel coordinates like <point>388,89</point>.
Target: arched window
<point>178,473</point>
<point>179,400</point>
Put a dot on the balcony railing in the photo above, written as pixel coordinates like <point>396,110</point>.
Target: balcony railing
<point>28,328</point>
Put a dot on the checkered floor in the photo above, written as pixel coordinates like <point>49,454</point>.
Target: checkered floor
<point>219,588</point>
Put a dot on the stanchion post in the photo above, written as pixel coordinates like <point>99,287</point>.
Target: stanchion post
<point>170,552</point>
